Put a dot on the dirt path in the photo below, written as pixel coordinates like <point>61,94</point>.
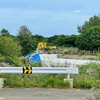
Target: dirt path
<point>46,94</point>
<point>83,57</point>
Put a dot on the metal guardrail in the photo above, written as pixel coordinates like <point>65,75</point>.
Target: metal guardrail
<point>41,70</point>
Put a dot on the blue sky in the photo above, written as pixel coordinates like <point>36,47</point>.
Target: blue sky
<point>46,17</point>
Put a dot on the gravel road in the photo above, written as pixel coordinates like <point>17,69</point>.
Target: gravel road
<point>46,94</point>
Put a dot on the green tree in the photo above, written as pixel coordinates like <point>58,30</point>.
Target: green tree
<point>8,48</point>
<point>93,21</point>
<point>26,41</point>
<point>4,32</point>
<point>60,40</point>
<point>15,38</point>
<point>63,40</point>
<point>89,39</point>
<point>39,38</point>
<point>53,40</point>
<point>69,40</point>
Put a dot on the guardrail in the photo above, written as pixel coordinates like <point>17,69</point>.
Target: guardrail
<point>42,70</point>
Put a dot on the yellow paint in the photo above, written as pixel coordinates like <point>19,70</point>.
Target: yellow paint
<point>27,70</point>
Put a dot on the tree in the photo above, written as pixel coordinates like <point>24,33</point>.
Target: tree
<point>26,41</point>
<point>89,39</point>
<point>4,32</point>
<point>39,38</point>
<point>8,48</point>
<point>69,40</point>
<point>93,21</point>
<point>63,40</point>
<point>53,40</point>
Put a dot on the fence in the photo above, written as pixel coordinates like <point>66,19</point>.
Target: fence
<point>41,70</point>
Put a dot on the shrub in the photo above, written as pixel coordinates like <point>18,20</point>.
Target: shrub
<point>9,60</point>
<point>2,59</point>
<point>55,83</point>
<point>88,77</point>
<point>98,56</point>
<point>48,52</point>
<point>66,52</point>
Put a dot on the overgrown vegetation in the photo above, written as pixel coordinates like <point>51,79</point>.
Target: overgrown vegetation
<point>36,80</point>
<point>88,77</point>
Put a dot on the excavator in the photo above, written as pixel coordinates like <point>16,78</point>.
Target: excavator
<point>41,45</point>
<point>34,56</point>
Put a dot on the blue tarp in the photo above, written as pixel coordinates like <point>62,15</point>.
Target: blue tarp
<point>35,57</point>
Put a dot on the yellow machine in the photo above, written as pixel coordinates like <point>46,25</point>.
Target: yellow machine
<point>40,46</point>
<point>43,45</point>
<point>34,56</point>
<point>52,47</point>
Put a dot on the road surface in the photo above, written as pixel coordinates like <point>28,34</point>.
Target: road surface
<point>46,94</point>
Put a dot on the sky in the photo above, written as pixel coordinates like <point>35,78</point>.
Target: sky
<point>46,17</point>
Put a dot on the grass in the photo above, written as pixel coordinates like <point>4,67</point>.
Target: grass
<point>36,80</point>
<point>88,77</point>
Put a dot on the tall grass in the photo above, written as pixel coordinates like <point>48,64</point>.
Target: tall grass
<point>88,77</point>
<point>36,80</point>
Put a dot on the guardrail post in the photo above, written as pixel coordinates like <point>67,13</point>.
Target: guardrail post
<point>69,80</point>
<point>1,82</point>
<point>2,98</point>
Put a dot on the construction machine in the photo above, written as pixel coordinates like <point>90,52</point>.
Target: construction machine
<point>34,56</point>
<point>52,47</point>
<point>41,45</point>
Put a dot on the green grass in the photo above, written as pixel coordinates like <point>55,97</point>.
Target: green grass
<point>36,80</point>
<point>88,77</point>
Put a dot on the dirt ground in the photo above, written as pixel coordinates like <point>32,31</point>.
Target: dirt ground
<point>47,94</point>
<point>83,57</point>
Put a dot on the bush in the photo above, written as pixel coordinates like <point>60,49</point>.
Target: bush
<point>48,52</point>
<point>9,60</point>
<point>8,48</point>
<point>98,56</point>
<point>83,82</point>
<point>38,80</point>
<point>55,83</point>
<point>81,53</point>
<point>66,52</point>
<point>2,59</point>
<point>88,77</point>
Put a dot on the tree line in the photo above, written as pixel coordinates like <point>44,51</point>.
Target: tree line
<point>26,41</point>
<point>29,42</point>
